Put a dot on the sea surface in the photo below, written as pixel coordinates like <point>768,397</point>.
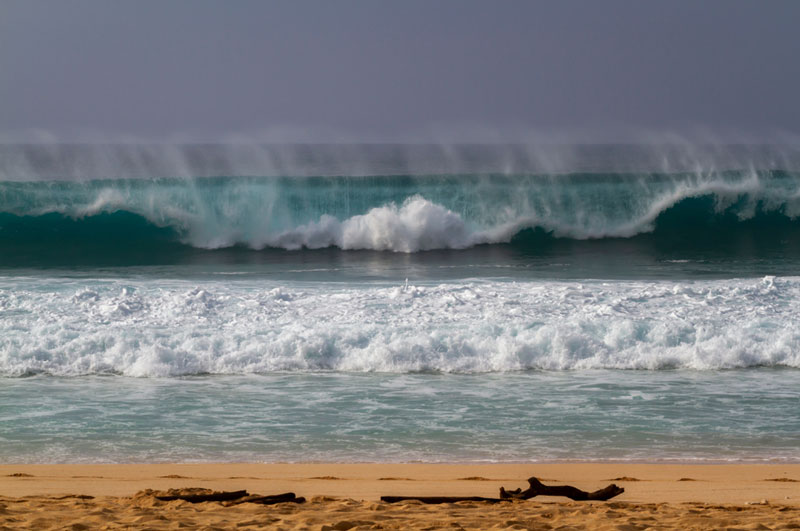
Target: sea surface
<point>351,303</point>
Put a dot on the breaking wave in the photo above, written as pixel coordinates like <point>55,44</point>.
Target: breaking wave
<point>392,213</point>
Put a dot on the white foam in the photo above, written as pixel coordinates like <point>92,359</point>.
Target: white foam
<point>417,225</point>
<point>169,328</point>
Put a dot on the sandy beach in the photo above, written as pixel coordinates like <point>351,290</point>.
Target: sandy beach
<point>346,496</point>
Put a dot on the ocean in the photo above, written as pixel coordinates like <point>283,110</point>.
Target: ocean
<point>399,303</point>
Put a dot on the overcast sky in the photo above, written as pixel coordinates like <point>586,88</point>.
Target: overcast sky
<point>388,71</point>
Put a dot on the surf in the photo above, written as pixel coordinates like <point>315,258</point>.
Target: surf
<point>400,214</point>
<point>176,327</point>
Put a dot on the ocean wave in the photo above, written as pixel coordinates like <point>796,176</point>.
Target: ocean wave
<point>400,214</point>
<point>170,328</point>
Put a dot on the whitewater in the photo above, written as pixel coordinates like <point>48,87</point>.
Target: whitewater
<point>432,303</point>
<point>141,328</point>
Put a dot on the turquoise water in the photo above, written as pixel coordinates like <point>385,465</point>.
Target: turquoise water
<point>395,303</point>
<point>715,416</point>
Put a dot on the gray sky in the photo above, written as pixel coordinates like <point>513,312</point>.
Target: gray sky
<point>374,70</point>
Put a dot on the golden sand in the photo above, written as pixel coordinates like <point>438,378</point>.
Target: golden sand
<point>347,496</point>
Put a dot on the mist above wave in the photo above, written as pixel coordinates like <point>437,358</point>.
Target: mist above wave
<point>664,154</point>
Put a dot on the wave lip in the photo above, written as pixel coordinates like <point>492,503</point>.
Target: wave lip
<point>176,328</point>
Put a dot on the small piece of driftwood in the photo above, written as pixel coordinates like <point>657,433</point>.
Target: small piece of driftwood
<point>228,498</point>
<point>200,497</point>
<point>538,489</point>
<point>288,497</point>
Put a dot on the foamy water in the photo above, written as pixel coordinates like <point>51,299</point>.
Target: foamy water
<point>162,328</point>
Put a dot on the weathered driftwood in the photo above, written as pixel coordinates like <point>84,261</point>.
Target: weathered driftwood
<point>288,497</point>
<point>439,499</point>
<point>198,495</point>
<point>538,489</point>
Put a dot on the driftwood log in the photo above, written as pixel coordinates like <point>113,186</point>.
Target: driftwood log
<point>199,496</point>
<point>536,489</point>
<point>228,498</point>
<point>271,499</point>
